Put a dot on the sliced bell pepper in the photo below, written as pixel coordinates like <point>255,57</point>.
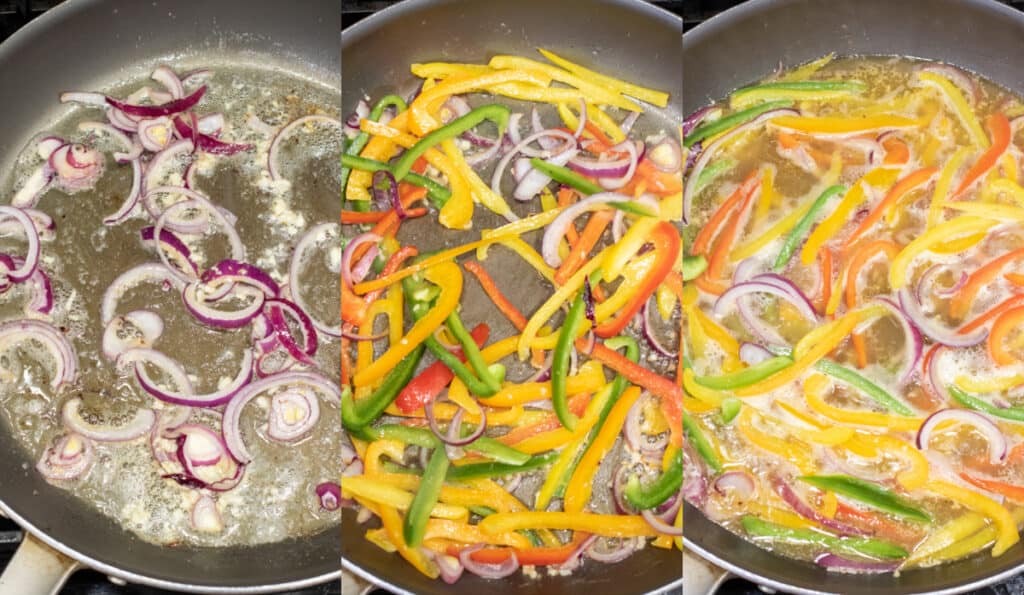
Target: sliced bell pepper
<point>942,233</point>
<point>796,235</point>
<point>793,91</point>
<point>652,495</point>
<point>952,95</point>
<point>607,525</point>
<point>429,383</point>
<point>979,279</point>
<point>716,127</point>
<point>844,125</point>
<point>902,187</point>
<point>1006,527</point>
<point>861,546</point>
<point>868,493</point>
<point>999,129</point>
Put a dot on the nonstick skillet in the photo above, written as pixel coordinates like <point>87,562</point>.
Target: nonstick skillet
<point>748,43</point>
<point>90,44</point>
<point>626,38</point>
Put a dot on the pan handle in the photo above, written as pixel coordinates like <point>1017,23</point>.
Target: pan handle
<point>36,569</point>
<point>700,577</point>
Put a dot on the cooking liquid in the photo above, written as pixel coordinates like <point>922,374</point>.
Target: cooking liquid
<point>276,498</point>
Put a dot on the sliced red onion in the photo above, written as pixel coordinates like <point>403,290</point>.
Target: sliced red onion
<point>689,190</point>
<point>353,120</point>
<point>695,481</point>
<point>64,358</point>
<point>696,118</point>
<point>137,427</point>
<point>293,414</point>
<point>69,458</point>
<point>557,228</point>
<point>597,168</point>
<point>184,268</point>
<point>936,331</point>
<point>277,310</point>
<point>803,509</point>
<point>205,517</point>
<point>174,154</point>
<point>156,134</point>
<point>227,226</point>
<point>449,566</point>
<point>136,358</point>
<point>841,564</point>
<point>913,344</point>
<point>764,284</point>
<point>40,290</point>
<point>77,167</point>
<point>199,306</point>
<point>295,268</point>
<point>139,328</point>
<point>167,77</point>
<point>185,396</point>
<point>660,525</point>
<point>33,189</point>
<point>534,181</point>
<point>636,151</point>
<point>611,551</point>
<point>650,334</point>
<point>635,437</point>
<point>206,142</point>
<point>233,412</point>
<point>926,280</point>
<point>452,436</point>
<point>121,121</point>
<point>131,200</point>
<point>753,354</point>
<point>739,483</point>
<point>627,124</point>
<point>31,259</point>
<point>523,147</point>
<point>346,256</point>
<point>242,273</point>
<point>144,273</point>
<point>275,145</point>
<point>132,150</point>
<point>488,571</point>
<point>329,494</point>
<point>997,446</point>
<point>154,111</point>
<point>93,99</point>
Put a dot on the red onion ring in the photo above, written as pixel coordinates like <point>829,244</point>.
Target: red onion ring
<point>184,268</point>
<point>556,229</point>
<point>167,77</point>
<point>660,525</point>
<point>65,360</point>
<point>69,458</point>
<point>997,445</point>
<point>148,272</point>
<point>329,495</point>
<point>293,414</point>
<point>154,111</point>
<point>346,256</point>
<point>205,517</point>
<point>138,426</point>
<point>31,260</point>
<point>147,327</point>
<point>275,145</point>
<point>276,311</point>
<point>488,571</point>
<point>936,331</point>
<point>188,398</point>
<point>294,269</point>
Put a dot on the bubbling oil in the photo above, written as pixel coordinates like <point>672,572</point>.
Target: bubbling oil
<point>276,498</point>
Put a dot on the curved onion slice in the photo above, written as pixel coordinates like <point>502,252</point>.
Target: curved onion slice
<point>131,200</point>
<point>165,109</point>
<point>155,134</point>
<point>275,145</point>
<point>132,150</point>
<point>488,571</point>
<point>610,550</point>
<point>233,412</point>
<point>65,360</point>
<point>329,494</point>
<point>803,509</point>
<point>137,427</point>
<point>937,332</point>
<point>31,260</point>
<point>77,167</point>
<point>295,267</point>
<point>997,446</point>
<point>69,458</point>
<point>167,77</point>
<point>205,517</point>
<point>139,328</point>
<point>660,525</point>
<point>534,181</point>
<point>277,309</point>
<point>556,229</point>
<point>293,414</point>
<point>136,358</point>
<point>183,397</point>
<point>144,273</point>
<point>736,482</point>
<point>243,273</point>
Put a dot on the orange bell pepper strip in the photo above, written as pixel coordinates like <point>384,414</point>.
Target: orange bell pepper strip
<point>857,262</point>
<point>879,525</point>
<point>353,307</point>
<point>896,151</point>
<point>588,238</point>
<point>826,264</point>
<point>667,247</point>
<point>1007,322</point>
<point>534,556</point>
<point>654,180</point>
<point>710,280</point>
<point>963,299</point>
<point>503,304</point>
<point>1012,302</point>
<point>1007,490</point>
<point>999,129</point>
<point>550,422</point>
<point>702,241</point>
<point>902,187</point>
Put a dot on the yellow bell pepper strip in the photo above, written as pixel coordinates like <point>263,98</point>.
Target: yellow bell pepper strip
<point>768,194</point>
<point>420,120</point>
<point>989,210</point>
<point>902,188</point>
<point>999,128</point>
<point>1011,188</point>
<point>376,491</point>
<point>719,335</point>
<point>808,70</point>
<point>473,534</point>
<point>966,547</point>
<point>813,393</point>
<point>789,449</point>
<point>992,384</point>
<point>392,449</point>
<point>711,397</point>
<point>651,96</point>
<point>379,538</point>
<point>526,92</point>
<point>481,192</point>
<point>441,257</point>
<point>443,70</point>
<point>779,516</point>
<point>447,276</point>
<point>796,235</point>
<point>1006,527</point>
<point>605,525</point>
<point>392,522</point>
<point>843,125</point>
<point>942,233</point>
<point>465,497</point>
<point>955,99</point>
<point>589,378</point>
<point>360,141</point>
<point>760,530</point>
<point>596,92</point>
<point>794,91</point>
<point>667,246</point>
<point>874,445</point>
<point>947,535</point>
<point>945,183</point>
<point>379,149</point>
<point>578,492</point>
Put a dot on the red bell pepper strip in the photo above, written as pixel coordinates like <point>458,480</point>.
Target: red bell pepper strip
<point>534,556</point>
<point>353,308</point>
<point>999,129</point>
<point>667,247</point>
<point>911,181</point>
<point>963,299</point>
<point>491,289</point>
<point>425,387</point>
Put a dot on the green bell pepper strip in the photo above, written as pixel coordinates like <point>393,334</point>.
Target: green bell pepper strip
<point>869,494</point>
<point>495,469</point>
<point>693,266</point>
<point>615,390</point>
<point>731,407</point>
<point>437,193</point>
<point>414,526</point>
<point>795,90</point>
<point>359,415</point>
<point>654,494</point>
<point>484,445</point>
<point>564,175</point>
<point>359,143</point>
<point>700,443</point>
<point>861,546</point>
<point>800,230</point>
<point>477,386</point>
<point>712,173</point>
<point>854,379</point>
<point>560,362</point>
<point>472,353</point>
<point>494,112</point>
<point>747,376</point>
<point>971,402</point>
<point>710,129</point>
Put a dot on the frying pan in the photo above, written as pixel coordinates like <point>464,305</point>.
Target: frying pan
<point>749,42</point>
<point>631,39</point>
<point>89,44</point>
